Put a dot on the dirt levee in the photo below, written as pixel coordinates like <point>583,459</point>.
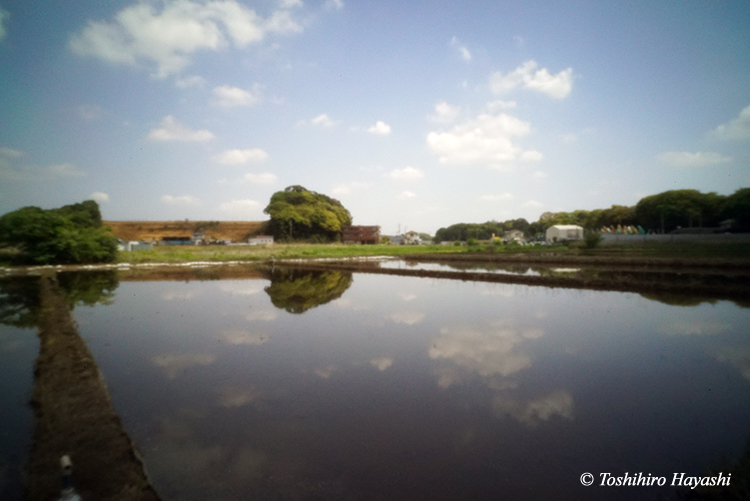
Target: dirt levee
<point>74,416</point>
<point>156,230</point>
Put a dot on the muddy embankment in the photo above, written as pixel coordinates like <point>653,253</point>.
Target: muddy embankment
<point>74,416</point>
<point>704,278</point>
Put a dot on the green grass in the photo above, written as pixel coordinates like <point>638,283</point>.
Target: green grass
<point>176,254</point>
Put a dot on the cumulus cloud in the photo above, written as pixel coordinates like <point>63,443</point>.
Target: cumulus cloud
<point>246,207</point>
<point>495,106</point>
<point>406,174</point>
<point>528,77</point>
<point>380,128</point>
<point>688,159</point>
<point>445,113</point>
<point>533,204</point>
<point>99,196</point>
<point>737,129</point>
<point>172,130</point>
<point>381,363</point>
<point>190,81</point>
<point>406,195</point>
<point>183,200</point>
<point>10,152</point>
<point>262,178</point>
<point>167,36</point>
<point>238,157</point>
<point>461,49</point>
<point>229,97</point>
<point>322,120</point>
<point>540,175</point>
<point>348,188</point>
<point>484,140</point>
<point>531,156</point>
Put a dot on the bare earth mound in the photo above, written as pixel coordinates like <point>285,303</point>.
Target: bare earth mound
<point>74,416</point>
<point>156,230</point>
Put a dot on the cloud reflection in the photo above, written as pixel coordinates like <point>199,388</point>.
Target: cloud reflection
<point>262,315</point>
<point>407,317</point>
<point>174,364</point>
<point>487,350</point>
<point>531,413</point>
<point>242,288</point>
<point>238,337</point>
<point>381,363</point>
<point>696,328</point>
<point>738,356</point>
<point>231,396</point>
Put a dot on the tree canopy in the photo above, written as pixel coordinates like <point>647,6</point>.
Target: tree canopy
<point>72,234</point>
<point>299,214</point>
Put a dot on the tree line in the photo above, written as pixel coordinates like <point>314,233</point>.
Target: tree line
<point>659,213</point>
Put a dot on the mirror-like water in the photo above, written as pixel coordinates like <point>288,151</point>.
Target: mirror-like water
<point>331,386</point>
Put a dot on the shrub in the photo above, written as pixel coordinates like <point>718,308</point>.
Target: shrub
<point>592,240</point>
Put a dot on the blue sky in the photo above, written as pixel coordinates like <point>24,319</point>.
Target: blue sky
<point>415,115</point>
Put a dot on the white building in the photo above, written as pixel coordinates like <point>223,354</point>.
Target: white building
<point>560,232</point>
<point>261,240</point>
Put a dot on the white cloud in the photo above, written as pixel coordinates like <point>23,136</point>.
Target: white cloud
<point>288,4</point>
<point>4,15</point>
<point>229,97</point>
<point>462,50</point>
<point>539,175</point>
<point>445,113</point>
<point>531,156</point>
<point>484,140</point>
<point>380,128</point>
<point>172,130</point>
<point>238,157</point>
<point>190,81</point>
<point>31,173</point>
<point>10,152</point>
<point>90,112</point>
<point>406,174</point>
<point>168,37</point>
<point>532,413</point>
<point>244,207</point>
<point>348,188</point>
<point>533,204</point>
<point>99,196</point>
<point>497,198</point>
<point>406,195</point>
<point>323,120</point>
<point>527,76</point>
<point>183,200</point>
<point>495,106</point>
<point>334,4</point>
<point>519,41</point>
<point>262,178</point>
<point>688,159</point>
<point>739,128</point>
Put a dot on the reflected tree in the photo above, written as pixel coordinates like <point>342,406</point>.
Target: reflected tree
<point>296,291</point>
<point>678,299</point>
<point>89,288</point>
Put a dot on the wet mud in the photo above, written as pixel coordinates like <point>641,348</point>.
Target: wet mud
<point>74,416</point>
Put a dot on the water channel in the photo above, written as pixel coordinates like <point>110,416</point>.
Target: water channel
<point>330,385</point>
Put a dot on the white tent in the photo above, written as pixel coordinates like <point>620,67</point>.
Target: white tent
<point>561,232</point>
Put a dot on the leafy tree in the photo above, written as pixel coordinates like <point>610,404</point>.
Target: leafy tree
<point>298,213</point>
<point>668,210</point>
<point>737,207</point>
<point>68,235</point>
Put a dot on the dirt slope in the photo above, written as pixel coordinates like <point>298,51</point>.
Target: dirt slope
<point>156,230</point>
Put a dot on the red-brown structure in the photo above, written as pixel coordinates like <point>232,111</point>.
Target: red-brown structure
<point>360,234</point>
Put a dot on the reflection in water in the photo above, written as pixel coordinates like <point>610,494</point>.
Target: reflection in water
<point>297,291</point>
<point>19,301</point>
<point>88,289</point>
<point>485,350</point>
<point>174,364</point>
<point>244,337</point>
<point>738,356</point>
<point>559,403</point>
<point>381,363</point>
<point>408,317</point>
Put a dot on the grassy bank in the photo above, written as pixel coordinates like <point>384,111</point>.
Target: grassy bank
<point>175,254</point>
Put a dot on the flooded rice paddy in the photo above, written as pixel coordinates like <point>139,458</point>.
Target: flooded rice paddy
<point>331,385</point>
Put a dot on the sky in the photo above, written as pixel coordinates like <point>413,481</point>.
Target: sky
<point>415,115</point>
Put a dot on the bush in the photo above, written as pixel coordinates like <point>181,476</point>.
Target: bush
<point>592,240</point>
<point>472,242</point>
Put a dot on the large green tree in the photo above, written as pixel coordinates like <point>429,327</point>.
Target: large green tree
<point>69,235</point>
<point>300,214</point>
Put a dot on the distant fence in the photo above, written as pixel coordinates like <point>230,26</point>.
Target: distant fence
<point>675,239</point>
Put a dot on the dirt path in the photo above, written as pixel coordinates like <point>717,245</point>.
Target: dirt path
<point>74,416</point>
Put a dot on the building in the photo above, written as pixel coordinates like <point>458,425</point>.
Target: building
<point>177,241</point>
<point>360,234</point>
<point>133,245</point>
<point>410,238</point>
<point>560,232</point>
<point>514,236</point>
<point>260,240</point>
